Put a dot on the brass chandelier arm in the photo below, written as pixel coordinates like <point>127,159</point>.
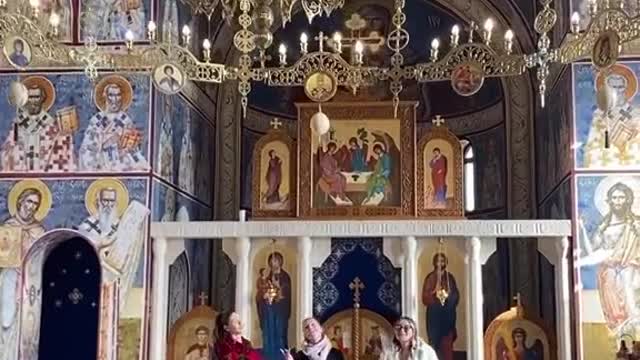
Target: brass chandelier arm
<point>580,45</point>
<point>344,73</point>
<point>492,63</point>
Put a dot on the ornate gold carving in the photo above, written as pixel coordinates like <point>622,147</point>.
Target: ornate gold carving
<point>345,112</point>
<point>492,64</point>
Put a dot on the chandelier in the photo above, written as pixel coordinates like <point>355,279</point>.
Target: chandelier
<point>474,52</point>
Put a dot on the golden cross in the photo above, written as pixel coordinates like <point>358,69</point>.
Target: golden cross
<point>438,121</point>
<point>203,298</point>
<point>518,300</point>
<point>356,285</point>
<point>321,38</point>
<point>275,123</point>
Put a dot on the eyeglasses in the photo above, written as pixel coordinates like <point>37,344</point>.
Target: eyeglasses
<point>406,328</point>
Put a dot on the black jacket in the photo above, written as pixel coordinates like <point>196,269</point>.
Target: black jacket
<point>334,354</point>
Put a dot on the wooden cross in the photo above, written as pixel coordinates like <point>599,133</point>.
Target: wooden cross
<point>275,123</point>
<point>203,298</point>
<point>438,120</point>
<point>356,285</point>
<point>321,38</point>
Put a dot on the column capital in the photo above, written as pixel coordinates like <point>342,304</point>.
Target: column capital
<point>304,244</point>
<point>160,246</point>
<point>474,244</point>
<point>562,247</point>
<point>243,246</point>
<point>409,244</point>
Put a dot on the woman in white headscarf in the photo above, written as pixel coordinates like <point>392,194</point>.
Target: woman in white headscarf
<point>316,346</point>
<point>406,343</point>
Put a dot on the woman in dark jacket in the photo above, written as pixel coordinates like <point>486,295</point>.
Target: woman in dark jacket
<point>316,346</point>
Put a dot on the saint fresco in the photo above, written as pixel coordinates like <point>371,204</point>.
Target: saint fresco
<point>105,20</point>
<point>275,275</point>
<point>439,173</point>
<point>592,125</point>
<point>519,347</point>
<point>375,334</point>
<point>91,205</point>
<point>274,182</point>
<point>357,164</point>
<point>60,130</point>
<point>442,311</point>
<point>608,258</point>
<point>276,185</point>
<point>193,335</point>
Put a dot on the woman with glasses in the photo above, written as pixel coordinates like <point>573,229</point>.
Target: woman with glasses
<point>316,346</point>
<point>406,343</point>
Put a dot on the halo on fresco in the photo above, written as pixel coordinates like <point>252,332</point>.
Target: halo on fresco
<point>169,84</point>
<point>467,78</point>
<point>20,187</point>
<point>45,85</point>
<point>620,70</point>
<point>91,196</point>
<point>600,194</point>
<point>123,84</point>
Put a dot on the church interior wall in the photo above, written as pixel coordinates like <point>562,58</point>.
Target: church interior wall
<point>172,170</point>
<point>601,174</point>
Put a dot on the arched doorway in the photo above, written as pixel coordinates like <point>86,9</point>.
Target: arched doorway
<point>69,321</point>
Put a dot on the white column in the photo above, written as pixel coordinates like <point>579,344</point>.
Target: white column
<point>476,350</point>
<point>411,294</point>
<point>243,288</point>
<point>159,304</point>
<point>563,304</point>
<point>305,284</point>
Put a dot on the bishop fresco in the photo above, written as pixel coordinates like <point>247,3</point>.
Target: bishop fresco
<point>111,141</point>
<point>36,143</point>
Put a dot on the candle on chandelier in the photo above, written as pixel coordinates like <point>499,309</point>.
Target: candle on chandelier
<point>488,29</point>
<point>206,50</point>
<point>508,41</point>
<point>359,50</point>
<point>186,35</point>
<point>435,44</point>
<point>455,35</point>
<point>593,7</point>
<point>337,41</point>
<point>35,7</point>
<point>575,22</point>
<point>151,30</point>
<point>128,37</point>
<point>54,23</point>
<point>3,4</point>
<point>282,50</point>
<point>304,39</point>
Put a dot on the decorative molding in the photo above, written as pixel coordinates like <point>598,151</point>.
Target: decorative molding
<point>363,228</point>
